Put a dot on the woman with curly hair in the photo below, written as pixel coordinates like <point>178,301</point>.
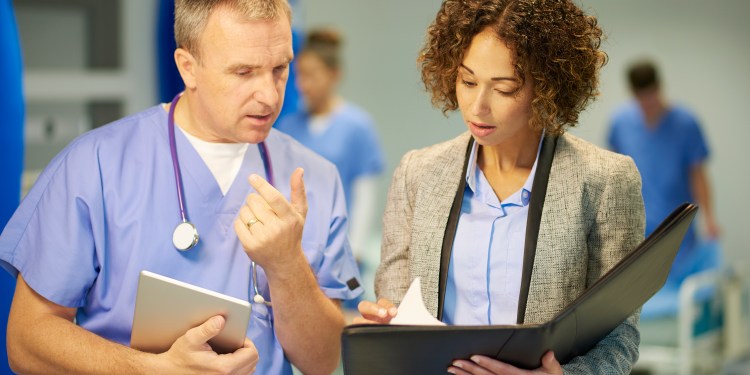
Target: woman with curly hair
<point>512,220</point>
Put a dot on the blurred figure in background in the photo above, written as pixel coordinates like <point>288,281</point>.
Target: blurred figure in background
<point>11,147</point>
<point>668,147</point>
<point>339,131</point>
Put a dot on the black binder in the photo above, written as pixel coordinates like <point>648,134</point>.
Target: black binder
<point>394,349</point>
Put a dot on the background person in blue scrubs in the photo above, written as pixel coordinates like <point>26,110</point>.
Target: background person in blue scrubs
<point>335,128</point>
<point>105,209</point>
<point>11,147</point>
<point>340,131</point>
<point>667,144</point>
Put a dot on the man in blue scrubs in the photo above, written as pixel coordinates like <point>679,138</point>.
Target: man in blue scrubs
<point>106,207</point>
<point>669,149</point>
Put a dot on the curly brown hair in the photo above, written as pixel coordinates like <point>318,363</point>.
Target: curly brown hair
<point>553,41</point>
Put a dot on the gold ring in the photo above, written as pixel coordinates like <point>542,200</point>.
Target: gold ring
<point>251,222</point>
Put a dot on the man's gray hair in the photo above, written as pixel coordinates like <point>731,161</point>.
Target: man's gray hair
<point>191,16</point>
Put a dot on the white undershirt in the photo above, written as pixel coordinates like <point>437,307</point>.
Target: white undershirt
<point>223,159</point>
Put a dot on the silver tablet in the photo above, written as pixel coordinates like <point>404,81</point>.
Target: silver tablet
<point>166,308</point>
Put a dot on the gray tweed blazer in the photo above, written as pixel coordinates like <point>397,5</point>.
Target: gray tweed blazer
<point>592,217</point>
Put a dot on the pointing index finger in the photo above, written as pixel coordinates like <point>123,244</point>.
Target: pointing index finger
<point>273,197</point>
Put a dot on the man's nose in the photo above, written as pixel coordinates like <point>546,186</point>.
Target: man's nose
<point>266,92</point>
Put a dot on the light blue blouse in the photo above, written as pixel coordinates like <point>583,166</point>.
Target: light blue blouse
<point>484,276</point>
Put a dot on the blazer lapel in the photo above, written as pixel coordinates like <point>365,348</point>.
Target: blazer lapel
<point>450,232</point>
<point>536,205</point>
<point>432,210</point>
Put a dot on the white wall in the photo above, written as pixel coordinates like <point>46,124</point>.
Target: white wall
<point>702,48</point>
<point>134,83</point>
<point>57,83</point>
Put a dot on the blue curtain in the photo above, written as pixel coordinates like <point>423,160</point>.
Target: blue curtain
<point>292,99</point>
<point>170,82</point>
<point>11,148</point>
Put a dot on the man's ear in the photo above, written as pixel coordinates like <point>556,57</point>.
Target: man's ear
<point>186,64</point>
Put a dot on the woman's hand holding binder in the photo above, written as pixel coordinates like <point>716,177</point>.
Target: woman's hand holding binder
<point>482,365</point>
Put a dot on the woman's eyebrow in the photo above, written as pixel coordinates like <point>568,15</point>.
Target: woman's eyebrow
<point>514,79</point>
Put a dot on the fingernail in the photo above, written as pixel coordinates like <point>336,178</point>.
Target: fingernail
<point>216,322</point>
<point>451,371</point>
<point>475,359</point>
<point>458,364</point>
<point>381,313</point>
<point>254,178</point>
<point>393,311</point>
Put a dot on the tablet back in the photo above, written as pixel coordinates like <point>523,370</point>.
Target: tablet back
<point>166,308</point>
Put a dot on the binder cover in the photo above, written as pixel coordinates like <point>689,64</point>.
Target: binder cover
<point>393,349</point>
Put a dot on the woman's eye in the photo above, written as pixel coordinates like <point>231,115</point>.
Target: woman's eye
<point>468,83</point>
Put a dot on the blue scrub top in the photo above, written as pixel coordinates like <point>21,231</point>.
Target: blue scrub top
<point>350,142</point>
<point>664,156</point>
<point>105,208</point>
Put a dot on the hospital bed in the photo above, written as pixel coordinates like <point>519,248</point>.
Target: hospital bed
<point>710,328</point>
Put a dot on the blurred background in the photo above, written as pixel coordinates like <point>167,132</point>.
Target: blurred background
<point>88,62</point>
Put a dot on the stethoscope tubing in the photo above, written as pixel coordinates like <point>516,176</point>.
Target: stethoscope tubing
<point>175,161</point>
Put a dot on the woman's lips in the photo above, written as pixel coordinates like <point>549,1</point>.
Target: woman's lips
<point>480,129</point>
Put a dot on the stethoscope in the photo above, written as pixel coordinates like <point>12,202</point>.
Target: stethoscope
<point>185,235</point>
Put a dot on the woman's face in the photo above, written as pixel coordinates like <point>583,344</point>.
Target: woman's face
<point>316,81</point>
<point>495,106</point>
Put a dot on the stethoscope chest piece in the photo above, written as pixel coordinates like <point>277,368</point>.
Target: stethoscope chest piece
<point>185,236</point>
